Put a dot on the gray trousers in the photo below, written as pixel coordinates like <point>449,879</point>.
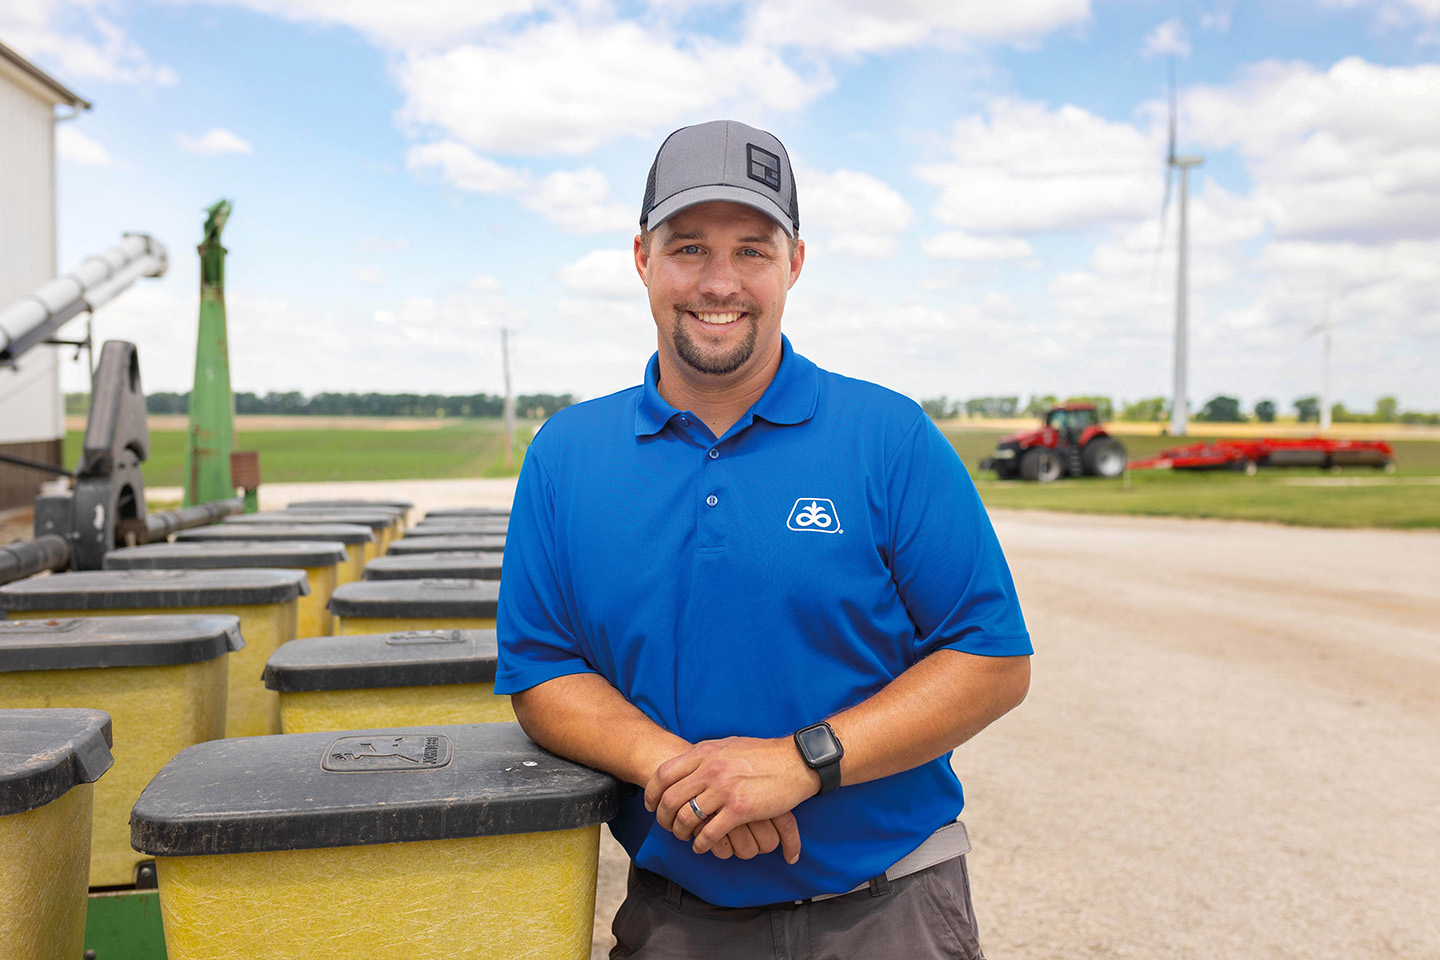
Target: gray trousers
<point>927,914</point>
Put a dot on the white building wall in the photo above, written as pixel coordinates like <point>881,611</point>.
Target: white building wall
<point>31,406</point>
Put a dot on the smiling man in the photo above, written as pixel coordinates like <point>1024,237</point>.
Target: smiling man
<point>764,593</point>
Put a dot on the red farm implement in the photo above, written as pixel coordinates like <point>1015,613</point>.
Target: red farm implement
<point>1069,442</point>
<point>1249,455</point>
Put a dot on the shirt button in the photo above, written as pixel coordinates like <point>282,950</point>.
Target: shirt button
<point>711,500</point>
<point>714,454</point>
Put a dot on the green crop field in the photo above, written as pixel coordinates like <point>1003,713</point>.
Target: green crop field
<point>471,448</point>
<point>1356,497</point>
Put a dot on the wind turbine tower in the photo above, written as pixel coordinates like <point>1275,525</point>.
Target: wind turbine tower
<point>1179,406</point>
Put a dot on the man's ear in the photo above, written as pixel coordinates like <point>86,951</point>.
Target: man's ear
<point>796,263</point>
<point>642,260</point>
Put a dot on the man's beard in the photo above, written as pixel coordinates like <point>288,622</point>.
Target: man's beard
<point>691,352</point>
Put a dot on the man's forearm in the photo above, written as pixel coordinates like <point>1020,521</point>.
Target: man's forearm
<point>928,710</point>
<point>583,718</point>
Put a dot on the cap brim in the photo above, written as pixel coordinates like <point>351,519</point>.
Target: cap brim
<point>720,191</point>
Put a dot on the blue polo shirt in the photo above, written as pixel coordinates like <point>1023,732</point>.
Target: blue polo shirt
<point>752,585</point>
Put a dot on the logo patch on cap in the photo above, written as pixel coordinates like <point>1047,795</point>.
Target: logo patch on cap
<point>763,166</point>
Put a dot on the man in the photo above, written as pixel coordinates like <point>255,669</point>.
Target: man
<point>764,593</point>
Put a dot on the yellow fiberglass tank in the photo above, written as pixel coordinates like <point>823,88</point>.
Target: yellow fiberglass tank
<point>320,559</point>
<point>408,843</point>
<point>359,541</point>
<point>265,600</point>
<point>393,606</point>
<point>381,524</point>
<point>48,759</point>
<point>448,543</point>
<point>393,528</point>
<point>406,679</point>
<point>162,681</point>
<point>456,565</point>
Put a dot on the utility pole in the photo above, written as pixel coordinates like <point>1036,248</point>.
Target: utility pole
<point>509,400</point>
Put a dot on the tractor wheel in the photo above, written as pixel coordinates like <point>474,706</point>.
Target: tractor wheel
<point>1104,457</point>
<point>1040,465</point>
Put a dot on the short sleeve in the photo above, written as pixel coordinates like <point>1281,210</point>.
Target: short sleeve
<point>945,558</point>
<point>534,629</point>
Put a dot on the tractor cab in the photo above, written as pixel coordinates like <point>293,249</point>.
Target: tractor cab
<point>1073,419</point>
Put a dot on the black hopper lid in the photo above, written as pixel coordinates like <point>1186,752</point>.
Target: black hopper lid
<point>126,589</point>
<point>311,790</point>
<point>347,533</point>
<point>447,544</point>
<point>416,598</point>
<point>44,753</point>
<point>462,564</point>
<point>414,658</point>
<point>218,554</point>
<point>83,643</point>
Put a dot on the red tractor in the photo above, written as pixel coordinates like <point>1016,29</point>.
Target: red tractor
<point>1070,442</point>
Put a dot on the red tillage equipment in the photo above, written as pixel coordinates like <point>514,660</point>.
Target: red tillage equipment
<point>1249,455</point>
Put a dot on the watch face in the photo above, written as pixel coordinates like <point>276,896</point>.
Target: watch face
<point>818,745</point>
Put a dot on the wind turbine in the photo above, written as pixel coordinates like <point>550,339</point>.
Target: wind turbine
<point>1179,406</point>
<point>1327,327</point>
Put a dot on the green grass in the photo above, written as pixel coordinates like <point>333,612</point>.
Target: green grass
<point>1395,501</point>
<point>474,448</point>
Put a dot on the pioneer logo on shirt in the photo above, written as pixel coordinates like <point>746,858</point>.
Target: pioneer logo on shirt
<point>814,515</point>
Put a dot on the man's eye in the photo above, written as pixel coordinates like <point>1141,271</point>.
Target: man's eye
<point>751,252</point>
<point>690,248</point>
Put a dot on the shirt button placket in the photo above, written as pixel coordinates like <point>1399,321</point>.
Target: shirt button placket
<point>711,500</point>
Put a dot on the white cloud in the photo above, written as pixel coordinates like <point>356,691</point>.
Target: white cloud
<point>370,276</point>
<point>856,26</point>
<point>1219,17</point>
<point>482,283</point>
<point>388,23</point>
<point>967,246</point>
<point>73,146</point>
<point>579,201</point>
<point>1351,152</point>
<point>86,46</point>
<point>568,87</point>
<point>1393,12</point>
<point>1023,167</point>
<point>1169,39</point>
<point>605,274</point>
<point>866,214</point>
<point>215,142</point>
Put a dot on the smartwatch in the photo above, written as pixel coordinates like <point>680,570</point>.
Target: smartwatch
<point>821,750</point>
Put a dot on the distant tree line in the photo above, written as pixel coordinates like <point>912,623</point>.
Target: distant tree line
<point>1218,409</point>
<point>294,403</point>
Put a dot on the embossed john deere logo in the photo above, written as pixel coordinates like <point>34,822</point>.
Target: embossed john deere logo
<point>814,515</point>
<point>351,754</point>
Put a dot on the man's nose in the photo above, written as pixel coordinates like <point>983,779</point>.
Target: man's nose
<point>719,279</point>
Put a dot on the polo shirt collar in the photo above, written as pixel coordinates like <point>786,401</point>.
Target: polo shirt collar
<point>791,397</point>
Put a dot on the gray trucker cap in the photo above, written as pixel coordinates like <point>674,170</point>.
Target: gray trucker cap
<point>721,160</point>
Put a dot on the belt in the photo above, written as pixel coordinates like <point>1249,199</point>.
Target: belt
<point>947,843</point>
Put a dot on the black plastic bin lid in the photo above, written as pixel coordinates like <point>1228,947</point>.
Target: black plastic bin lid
<point>459,528</point>
<point>126,589</point>
<point>361,518</point>
<point>416,598</point>
<point>213,554</point>
<point>393,512</point>
<point>348,533</point>
<point>468,512</point>
<point>44,753</point>
<point>82,643</point>
<point>302,791</point>
<point>415,658</point>
<point>362,504</point>
<point>462,564</point>
<point>447,544</point>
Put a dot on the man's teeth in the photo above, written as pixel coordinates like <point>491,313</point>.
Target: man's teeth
<point>717,318</point>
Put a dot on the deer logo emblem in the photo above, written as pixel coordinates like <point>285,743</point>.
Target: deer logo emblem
<point>814,515</point>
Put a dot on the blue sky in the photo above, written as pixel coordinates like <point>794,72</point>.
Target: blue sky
<point>980,184</point>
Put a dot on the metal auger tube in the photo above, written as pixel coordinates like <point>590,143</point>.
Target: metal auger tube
<point>29,557</point>
<point>158,526</point>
